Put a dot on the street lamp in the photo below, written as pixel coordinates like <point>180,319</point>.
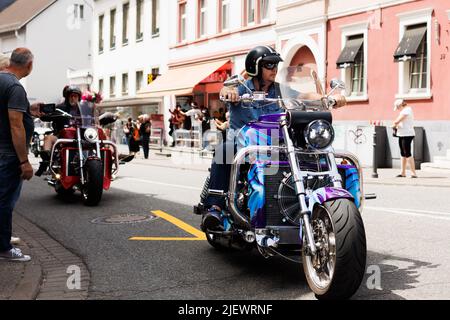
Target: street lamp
<point>89,80</point>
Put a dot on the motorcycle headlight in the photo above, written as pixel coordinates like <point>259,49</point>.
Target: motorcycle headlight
<point>41,137</point>
<point>319,134</point>
<point>91,135</point>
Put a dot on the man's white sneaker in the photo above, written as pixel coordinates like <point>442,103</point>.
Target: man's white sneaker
<point>15,240</point>
<point>15,254</point>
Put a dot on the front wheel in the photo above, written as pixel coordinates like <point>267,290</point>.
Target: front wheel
<point>337,269</point>
<point>92,189</point>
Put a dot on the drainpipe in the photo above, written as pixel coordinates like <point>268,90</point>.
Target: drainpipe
<point>326,6</point>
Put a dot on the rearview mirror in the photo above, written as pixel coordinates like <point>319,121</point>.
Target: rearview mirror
<point>234,81</point>
<point>337,84</point>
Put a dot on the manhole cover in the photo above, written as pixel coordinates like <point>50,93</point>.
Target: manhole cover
<point>124,218</point>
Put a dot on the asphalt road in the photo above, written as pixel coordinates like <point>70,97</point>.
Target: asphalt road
<point>407,231</point>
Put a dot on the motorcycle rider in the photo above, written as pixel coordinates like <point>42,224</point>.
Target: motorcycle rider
<point>72,97</point>
<point>261,64</point>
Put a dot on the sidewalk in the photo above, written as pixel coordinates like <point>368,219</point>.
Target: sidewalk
<point>45,277</point>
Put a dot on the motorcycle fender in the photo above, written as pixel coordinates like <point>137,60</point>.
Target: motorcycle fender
<point>67,181</point>
<point>322,195</point>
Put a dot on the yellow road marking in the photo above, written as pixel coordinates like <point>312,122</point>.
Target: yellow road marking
<point>198,235</point>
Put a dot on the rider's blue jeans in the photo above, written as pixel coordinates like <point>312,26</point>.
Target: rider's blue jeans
<point>10,186</point>
<point>220,172</point>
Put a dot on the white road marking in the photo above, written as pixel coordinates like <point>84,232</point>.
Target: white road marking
<point>179,186</point>
<point>413,212</point>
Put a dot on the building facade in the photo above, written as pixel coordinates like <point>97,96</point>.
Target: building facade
<point>208,41</point>
<point>58,34</point>
<point>383,50</point>
<point>129,49</point>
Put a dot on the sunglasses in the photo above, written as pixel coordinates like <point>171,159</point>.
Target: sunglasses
<point>270,66</point>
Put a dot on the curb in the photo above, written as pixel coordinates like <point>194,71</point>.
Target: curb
<point>47,276</point>
<point>366,181</point>
<point>28,287</point>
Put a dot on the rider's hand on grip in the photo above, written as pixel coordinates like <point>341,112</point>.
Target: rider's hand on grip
<point>340,101</point>
<point>229,94</point>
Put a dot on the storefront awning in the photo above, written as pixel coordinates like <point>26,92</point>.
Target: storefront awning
<point>349,53</point>
<point>181,80</point>
<point>408,47</point>
<point>127,102</point>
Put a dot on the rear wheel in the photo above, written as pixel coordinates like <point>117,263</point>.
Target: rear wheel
<point>92,190</point>
<point>336,271</point>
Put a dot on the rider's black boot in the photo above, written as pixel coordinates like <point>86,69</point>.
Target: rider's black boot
<point>45,155</point>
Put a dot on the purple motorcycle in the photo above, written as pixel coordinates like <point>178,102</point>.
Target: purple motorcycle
<point>291,194</point>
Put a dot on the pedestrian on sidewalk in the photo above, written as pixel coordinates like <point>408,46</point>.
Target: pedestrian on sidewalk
<point>144,131</point>
<point>405,133</point>
<point>127,128</point>
<point>4,63</point>
<point>16,129</point>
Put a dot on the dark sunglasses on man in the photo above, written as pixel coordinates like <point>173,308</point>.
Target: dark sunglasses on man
<point>270,66</point>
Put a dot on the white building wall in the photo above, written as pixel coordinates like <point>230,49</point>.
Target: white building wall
<point>58,43</point>
<point>238,39</point>
<point>136,56</point>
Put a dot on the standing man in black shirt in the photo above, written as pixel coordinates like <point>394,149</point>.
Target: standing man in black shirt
<point>16,129</point>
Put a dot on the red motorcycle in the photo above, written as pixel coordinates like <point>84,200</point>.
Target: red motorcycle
<point>82,158</point>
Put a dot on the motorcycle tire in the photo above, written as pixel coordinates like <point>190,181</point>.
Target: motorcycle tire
<point>346,237</point>
<point>205,190</point>
<point>92,190</point>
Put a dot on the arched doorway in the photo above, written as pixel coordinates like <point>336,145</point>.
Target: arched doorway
<point>297,71</point>
<point>307,51</point>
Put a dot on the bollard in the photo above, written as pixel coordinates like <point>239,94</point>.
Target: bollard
<point>375,165</point>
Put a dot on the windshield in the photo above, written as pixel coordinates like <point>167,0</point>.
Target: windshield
<point>297,80</point>
<point>89,114</point>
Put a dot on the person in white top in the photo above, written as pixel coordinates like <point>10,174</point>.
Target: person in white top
<point>196,120</point>
<point>405,132</point>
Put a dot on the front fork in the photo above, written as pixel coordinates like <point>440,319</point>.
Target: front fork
<point>299,187</point>
<point>80,148</point>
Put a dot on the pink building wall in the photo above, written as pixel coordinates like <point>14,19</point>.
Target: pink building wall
<point>383,74</point>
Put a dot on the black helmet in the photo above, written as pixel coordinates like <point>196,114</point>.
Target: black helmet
<point>65,91</point>
<point>258,54</point>
<point>72,89</point>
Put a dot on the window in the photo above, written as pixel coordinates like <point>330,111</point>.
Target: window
<point>125,17</point>
<point>125,84</point>
<point>112,28</point>
<point>139,19</point>
<point>155,17</point>
<point>224,15</point>
<point>250,11</point>
<point>182,22</point>
<point>413,54</point>
<point>201,27</point>
<point>353,61</point>
<point>357,74</point>
<point>139,80</point>
<point>112,86</point>
<point>264,9</point>
<point>100,33</point>
<point>418,67</point>
<point>155,73</point>
<point>78,11</point>
<point>100,85</point>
